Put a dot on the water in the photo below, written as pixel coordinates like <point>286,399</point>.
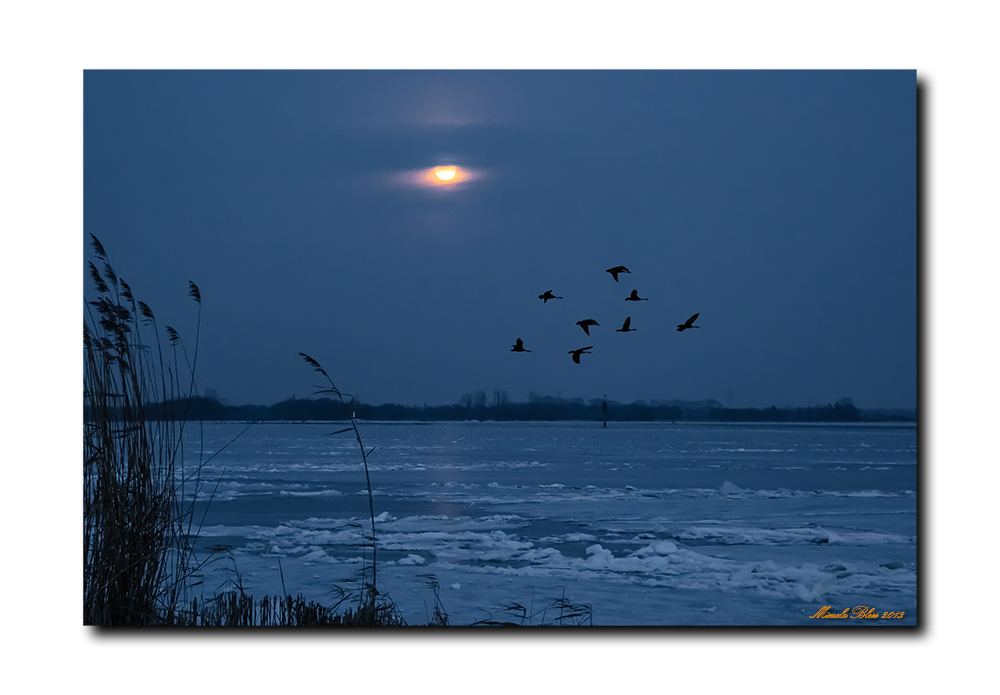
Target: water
<point>648,523</point>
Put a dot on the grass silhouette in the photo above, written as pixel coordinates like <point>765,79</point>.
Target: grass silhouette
<point>138,557</point>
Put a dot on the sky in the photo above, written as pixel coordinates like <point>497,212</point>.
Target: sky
<point>779,205</point>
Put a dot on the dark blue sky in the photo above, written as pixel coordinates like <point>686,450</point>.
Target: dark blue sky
<point>780,205</point>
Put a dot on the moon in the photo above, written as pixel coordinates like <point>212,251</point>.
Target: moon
<point>442,176</point>
<point>445,173</point>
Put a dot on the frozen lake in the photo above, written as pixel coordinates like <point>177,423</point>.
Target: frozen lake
<point>649,523</point>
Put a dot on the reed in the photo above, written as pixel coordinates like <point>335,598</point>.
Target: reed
<point>374,608</point>
<point>561,612</point>
<point>238,609</point>
<point>440,615</point>
<point>138,558</point>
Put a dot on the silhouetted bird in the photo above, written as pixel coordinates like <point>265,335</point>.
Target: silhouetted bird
<point>582,351</point>
<point>618,269</point>
<point>586,324</point>
<point>625,326</point>
<point>519,346</point>
<point>547,296</point>
<point>634,297</point>
<point>688,324</point>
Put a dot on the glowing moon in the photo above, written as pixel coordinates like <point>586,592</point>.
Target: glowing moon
<point>443,176</point>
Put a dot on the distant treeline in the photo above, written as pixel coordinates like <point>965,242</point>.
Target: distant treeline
<point>538,408</point>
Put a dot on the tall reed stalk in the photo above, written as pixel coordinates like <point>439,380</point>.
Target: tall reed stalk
<point>373,608</point>
<point>137,555</point>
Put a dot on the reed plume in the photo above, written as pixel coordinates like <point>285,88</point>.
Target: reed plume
<point>138,559</point>
<point>373,608</point>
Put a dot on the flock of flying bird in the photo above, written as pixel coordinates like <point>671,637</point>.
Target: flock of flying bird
<point>585,324</point>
